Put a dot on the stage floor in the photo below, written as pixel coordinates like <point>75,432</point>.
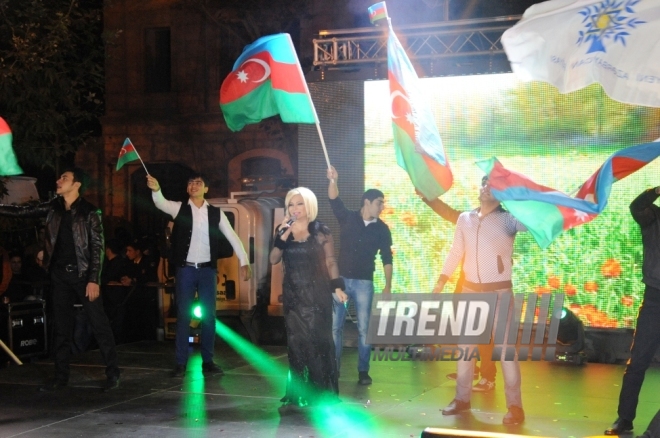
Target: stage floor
<point>405,398</point>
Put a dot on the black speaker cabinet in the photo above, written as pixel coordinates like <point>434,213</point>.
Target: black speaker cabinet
<point>26,328</point>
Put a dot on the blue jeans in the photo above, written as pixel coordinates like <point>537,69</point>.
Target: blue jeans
<point>361,292</point>
<point>188,281</point>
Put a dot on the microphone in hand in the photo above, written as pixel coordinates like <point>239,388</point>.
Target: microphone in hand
<point>288,224</point>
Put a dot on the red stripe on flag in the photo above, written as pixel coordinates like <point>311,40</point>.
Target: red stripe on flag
<point>573,218</point>
<point>400,108</point>
<point>502,179</point>
<point>624,166</point>
<point>442,174</point>
<point>621,168</point>
<point>376,12</point>
<point>255,71</point>
<point>126,149</point>
<point>4,127</point>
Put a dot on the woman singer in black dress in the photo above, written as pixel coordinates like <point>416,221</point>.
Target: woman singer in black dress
<point>311,277</point>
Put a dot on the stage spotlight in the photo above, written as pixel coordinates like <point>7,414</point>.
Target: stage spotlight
<point>570,339</point>
<point>197,311</point>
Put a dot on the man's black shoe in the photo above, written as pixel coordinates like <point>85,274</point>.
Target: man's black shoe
<point>620,426</point>
<point>178,371</point>
<point>111,383</point>
<point>456,407</point>
<point>364,379</point>
<point>53,385</point>
<point>211,368</point>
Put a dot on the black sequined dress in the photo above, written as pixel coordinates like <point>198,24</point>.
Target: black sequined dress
<point>307,302</point>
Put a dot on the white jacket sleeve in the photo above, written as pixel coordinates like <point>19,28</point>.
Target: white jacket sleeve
<point>170,207</point>
<point>233,238</point>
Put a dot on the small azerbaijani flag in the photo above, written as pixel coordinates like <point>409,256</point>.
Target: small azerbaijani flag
<point>377,12</point>
<point>8,163</point>
<point>127,154</point>
<point>266,80</point>
<point>547,212</point>
<point>417,143</point>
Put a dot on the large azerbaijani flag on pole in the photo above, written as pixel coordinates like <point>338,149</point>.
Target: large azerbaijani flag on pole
<point>266,80</point>
<point>8,163</point>
<point>547,212</point>
<point>417,143</point>
<point>574,43</point>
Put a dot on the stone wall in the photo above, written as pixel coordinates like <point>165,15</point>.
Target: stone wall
<point>184,125</point>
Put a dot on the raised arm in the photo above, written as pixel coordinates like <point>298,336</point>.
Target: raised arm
<point>333,176</point>
<point>642,207</point>
<point>169,207</point>
<point>443,210</point>
<point>26,211</point>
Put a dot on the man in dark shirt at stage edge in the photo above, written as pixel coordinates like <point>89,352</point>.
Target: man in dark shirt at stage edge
<point>362,236</point>
<point>647,334</point>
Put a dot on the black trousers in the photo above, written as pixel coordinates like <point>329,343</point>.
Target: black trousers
<point>645,343</point>
<point>67,289</point>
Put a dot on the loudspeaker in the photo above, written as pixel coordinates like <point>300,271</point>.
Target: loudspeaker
<point>26,328</point>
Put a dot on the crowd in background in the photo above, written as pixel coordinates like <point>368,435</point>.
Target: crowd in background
<point>129,294</point>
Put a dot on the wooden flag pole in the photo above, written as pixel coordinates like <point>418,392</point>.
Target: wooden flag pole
<point>325,151</point>
<point>311,102</point>
<point>10,353</point>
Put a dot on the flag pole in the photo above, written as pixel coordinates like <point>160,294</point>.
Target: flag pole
<point>311,102</point>
<point>10,353</point>
<point>139,157</point>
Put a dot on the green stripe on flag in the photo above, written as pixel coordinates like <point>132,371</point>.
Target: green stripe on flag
<point>264,102</point>
<point>544,221</point>
<point>8,162</point>
<point>294,107</point>
<point>127,158</point>
<point>413,163</point>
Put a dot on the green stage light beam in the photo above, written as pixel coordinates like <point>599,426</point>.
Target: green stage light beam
<point>193,404</point>
<point>354,420</point>
<point>266,365</point>
<point>349,416</point>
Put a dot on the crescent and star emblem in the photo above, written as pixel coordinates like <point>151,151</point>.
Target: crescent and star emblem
<point>242,75</point>
<point>393,96</point>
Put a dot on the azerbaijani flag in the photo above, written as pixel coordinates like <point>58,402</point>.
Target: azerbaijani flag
<point>127,154</point>
<point>417,142</point>
<point>266,80</point>
<point>8,163</point>
<point>547,212</point>
<point>377,12</point>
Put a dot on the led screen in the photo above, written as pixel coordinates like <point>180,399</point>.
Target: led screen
<point>558,141</point>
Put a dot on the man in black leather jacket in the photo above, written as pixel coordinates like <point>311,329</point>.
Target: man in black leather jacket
<point>74,244</point>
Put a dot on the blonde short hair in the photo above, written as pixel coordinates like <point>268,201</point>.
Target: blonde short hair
<point>309,199</point>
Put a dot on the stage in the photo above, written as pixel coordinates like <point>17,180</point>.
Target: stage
<point>405,398</point>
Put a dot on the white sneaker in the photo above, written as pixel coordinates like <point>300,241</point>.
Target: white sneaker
<point>484,385</point>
